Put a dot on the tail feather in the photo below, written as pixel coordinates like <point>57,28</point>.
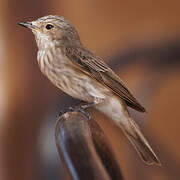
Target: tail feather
<point>140,143</point>
<point>116,110</point>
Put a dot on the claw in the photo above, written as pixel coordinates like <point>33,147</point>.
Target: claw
<point>80,108</point>
<point>85,113</point>
<point>65,110</point>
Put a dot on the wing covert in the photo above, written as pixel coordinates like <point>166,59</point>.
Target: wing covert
<point>100,71</point>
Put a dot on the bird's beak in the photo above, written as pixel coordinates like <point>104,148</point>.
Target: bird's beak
<point>27,25</point>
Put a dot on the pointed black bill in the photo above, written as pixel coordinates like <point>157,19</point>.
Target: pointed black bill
<point>27,25</point>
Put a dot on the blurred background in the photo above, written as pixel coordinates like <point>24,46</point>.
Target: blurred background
<point>139,39</point>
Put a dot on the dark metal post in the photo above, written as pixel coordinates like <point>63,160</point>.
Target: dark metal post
<point>83,148</point>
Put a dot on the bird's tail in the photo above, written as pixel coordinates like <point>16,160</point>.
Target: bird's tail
<point>117,112</point>
<point>135,136</point>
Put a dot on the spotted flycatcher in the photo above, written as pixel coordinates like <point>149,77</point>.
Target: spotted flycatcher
<point>78,72</point>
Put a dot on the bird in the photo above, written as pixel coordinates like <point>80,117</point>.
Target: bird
<point>78,72</point>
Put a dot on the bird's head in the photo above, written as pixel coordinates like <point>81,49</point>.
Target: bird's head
<point>53,29</point>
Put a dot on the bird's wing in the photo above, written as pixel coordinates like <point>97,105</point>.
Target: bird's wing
<point>100,71</point>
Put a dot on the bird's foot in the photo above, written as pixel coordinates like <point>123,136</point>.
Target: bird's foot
<point>80,108</point>
<point>86,105</point>
<point>65,110</point>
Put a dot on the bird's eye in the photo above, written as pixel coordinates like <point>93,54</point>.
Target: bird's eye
<point>49,26</point>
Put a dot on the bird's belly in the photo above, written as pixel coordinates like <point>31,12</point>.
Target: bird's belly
<point>70,79</point>
<point>77,84</point>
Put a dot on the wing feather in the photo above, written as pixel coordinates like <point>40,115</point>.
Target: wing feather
<point>100,71</point>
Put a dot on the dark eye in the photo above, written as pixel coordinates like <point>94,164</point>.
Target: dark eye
<point>49,26</point>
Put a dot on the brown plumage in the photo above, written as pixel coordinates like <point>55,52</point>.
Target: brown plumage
<point>100,71</point>
<point>81,74</point>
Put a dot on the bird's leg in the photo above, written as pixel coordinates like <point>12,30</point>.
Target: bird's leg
<point>82,108</point>
<point>79,108</point>
<point>87,105</point>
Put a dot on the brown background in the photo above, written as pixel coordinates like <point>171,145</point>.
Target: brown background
<point>139,39</point>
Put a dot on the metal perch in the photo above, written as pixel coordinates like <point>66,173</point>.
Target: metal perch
<point>84,149</point>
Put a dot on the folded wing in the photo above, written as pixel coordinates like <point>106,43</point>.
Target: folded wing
<point>97,69</point>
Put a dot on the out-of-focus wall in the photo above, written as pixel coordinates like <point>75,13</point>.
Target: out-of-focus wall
<point>26,93</point>
<point>119,24</point>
